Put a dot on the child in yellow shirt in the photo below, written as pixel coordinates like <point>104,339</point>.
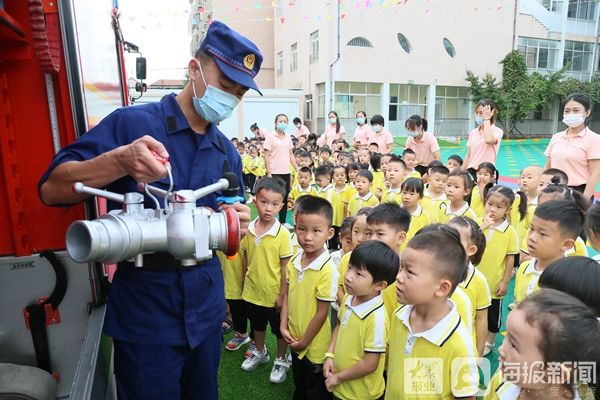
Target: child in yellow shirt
<point>412,193</point>
<point>396,173</point>
<point>363,197</point>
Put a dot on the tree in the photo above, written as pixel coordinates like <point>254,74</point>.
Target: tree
<point>519,93</point>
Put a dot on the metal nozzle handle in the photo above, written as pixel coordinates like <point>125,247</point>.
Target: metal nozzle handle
<point>79,187</point>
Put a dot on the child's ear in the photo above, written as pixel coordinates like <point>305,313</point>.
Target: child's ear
<point>444,288</point>
<point>381,285</point>
<point>471,250</point>
<point>567,244</point>
<point>400,237</point>
<point>330,233</point>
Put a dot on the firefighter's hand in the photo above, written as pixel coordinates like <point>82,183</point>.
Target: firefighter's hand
<point>244,215</point>
<point>144,159</point>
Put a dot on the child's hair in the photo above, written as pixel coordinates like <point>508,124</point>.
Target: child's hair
<point>254,126</point>
<point>346,227</point>
<point>443,243</point>
<point>270,184</point>
<point>559,177</point>
<point>378,259</point>
<point>392,214</point>
<point>569,331</point>
<point>375,160</point>
<point>439,169</point>
<point>456,158</point>
<point>365,173</point>
<point>415,121</point>
<point>338,166</point>
<point>592,220</point>
<point>476,236</point>
<point>304,170</point>
<point>297,120</point>
<point>435,163</point>
<point>325,149</point>
<point>568,216</point>
<point>568,194</point>
<point>323,170</point>
<point>304,154</point>
<point>491,168</point>
<point>465,176</point>
<point>374,144</point>
<point>578,276</point>
<point>395,159</point>
<point>353,166</point>
<point>509,196</point>
<point>408,151</point>
<point>413,185</point>
<point>314,205</point>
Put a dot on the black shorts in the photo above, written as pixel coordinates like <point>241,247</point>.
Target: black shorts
<point>260,316</point>
<point>495,316</point>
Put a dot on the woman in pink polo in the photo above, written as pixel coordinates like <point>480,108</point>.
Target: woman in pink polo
<point>484,141</point>
<point>301,129</point>
<point>362,131</point>
<point>423,143</point>
<point>259,133</point>
<point>381,136</point>
<point>278,157</point>
<point>576,150</point>
<point>333,131</point>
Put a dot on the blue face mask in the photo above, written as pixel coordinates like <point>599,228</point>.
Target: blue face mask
<point>281,127</point>
<point>413,134</point>
<point>479,120</point>
<point>360,120</point>
<point>216,105</point>
<point>332,120</point>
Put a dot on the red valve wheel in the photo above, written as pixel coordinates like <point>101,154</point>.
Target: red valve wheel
<point>233,231</point>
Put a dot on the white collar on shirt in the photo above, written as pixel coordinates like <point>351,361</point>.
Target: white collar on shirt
<point>461,211</point>
<point>326,188</point>
<point>418,211</point>
<point>397,190</point>
<point>364,309</point>
<point>307,190</point>
<point>440,197</point>
<point>366,197</point>
<point>273,230</point>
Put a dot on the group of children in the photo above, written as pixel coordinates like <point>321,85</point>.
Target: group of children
<point>391,283</point>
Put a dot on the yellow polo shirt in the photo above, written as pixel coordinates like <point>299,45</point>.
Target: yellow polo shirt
<point>477,289</point>
<point>392,196</point>
<point>431,204</point>
<point>233,275</point>
<point>413,174</point>
<point>499,389</point>
<point>298,192</point>
<point>446,213</point>
<point>522,225</point>
<point>342,270</point>
<point>257,166</point>
<point>501,242</point>
<point>326,192</point>
<point>526,279</point>
<point>418,219</point>
<point>246,159</point>
<point>264,255</point>
<point>363,329</point>
<point>316,282</point>
<point>338,202</point>
<point>477,203</point>
<point>357,202</point>
<point>465,308</point>
<point>423,364</point>
<point>378,180</point>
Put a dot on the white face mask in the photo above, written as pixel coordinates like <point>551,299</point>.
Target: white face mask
<point>573,120</point>
<point>377,128</point>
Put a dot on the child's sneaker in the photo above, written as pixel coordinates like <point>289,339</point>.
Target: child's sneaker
<point>279,371</point>
<point>512,306</point>
<point>288,358</point>
<point>251,349</point>
<point>255,359</point>
<point>237,341</point>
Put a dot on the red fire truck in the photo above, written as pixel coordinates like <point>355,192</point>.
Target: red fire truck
<point>61,71</point>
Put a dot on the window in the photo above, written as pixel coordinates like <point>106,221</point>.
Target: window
<point>539,53</point>
<point>552,5</point>
<point>314,46</point>
<point>359,42</point>
<point>294,52</point>
<point>351,97</point>
<point>452,102</point>
<point>406,100</point>
<point>308,109</point>
<point>321,100</point>
<point>582,9</point>
<point>404,43</point>
<point>579,55</point>
<point>280,63</point>
<point>449,47</point>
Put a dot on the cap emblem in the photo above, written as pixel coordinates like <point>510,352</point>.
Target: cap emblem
<point>249,61</point>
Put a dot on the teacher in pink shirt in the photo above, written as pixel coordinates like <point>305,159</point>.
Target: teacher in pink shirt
<point>278,149</point>
<point>576,150</point>
<point>301,129</point>
<point>259,133</point>
<point>332,132</point>
<point>484,141</point>
<point>423,143</point>
<point>362,131</point>
<point>381,136</point>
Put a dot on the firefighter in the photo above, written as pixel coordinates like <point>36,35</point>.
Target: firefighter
<point>165,320</point>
